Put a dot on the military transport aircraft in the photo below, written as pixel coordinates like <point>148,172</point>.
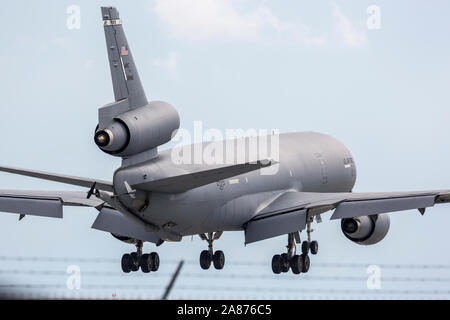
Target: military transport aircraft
<point>155,199</point>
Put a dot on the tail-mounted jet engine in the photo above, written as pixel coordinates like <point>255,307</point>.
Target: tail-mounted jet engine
<point>138,130</point>
<point>366,230</point>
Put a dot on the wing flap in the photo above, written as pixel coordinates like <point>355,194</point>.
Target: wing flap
<point>269,227</point>
<point>110,220</point>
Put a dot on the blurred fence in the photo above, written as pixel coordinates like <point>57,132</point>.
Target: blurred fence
<point>101,278</point>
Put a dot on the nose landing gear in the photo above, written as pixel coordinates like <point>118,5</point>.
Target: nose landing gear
<point>147,262</point>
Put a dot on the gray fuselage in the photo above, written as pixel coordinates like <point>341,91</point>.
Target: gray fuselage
<point>308,162</point>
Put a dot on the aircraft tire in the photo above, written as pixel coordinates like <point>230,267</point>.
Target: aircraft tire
<point>305,247</point>
<point>154,265</point>
<point>205,259</point>
<point>296,264</point>
<point>306,263</point>
<point>126,262</point>
<point>219,260</point>
<point>134,261</point>
<point>146,262</point>
<point>284,263</point>
<point>276,264</point>
<point>314,247</point>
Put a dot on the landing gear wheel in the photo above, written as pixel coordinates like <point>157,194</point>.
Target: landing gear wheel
<point>284,262</point>
<point>306,263</point>
<point>205,259</point>
<point>314,247</point>
<point>127,261</point>
<point>219,260</point>
<point>305,247</point>
<point>276,264</point>
<point>296,264</point>
<point>135,261</point>
<point>154,266</point>
<point>146,262</point>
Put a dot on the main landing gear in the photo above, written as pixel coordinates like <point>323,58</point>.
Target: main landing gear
<point>290,260</point>
<point>209,256</point>
<point>147,261</point>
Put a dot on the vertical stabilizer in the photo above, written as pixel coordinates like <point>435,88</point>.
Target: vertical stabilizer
<point>125,78</point>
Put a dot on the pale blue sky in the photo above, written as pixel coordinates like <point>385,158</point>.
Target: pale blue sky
<point>290,65</point>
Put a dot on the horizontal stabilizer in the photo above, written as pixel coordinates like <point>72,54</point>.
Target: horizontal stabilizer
<point>184,182</point>
<point>43,203</point>
<point>76,181</point>
<point>32,206</point>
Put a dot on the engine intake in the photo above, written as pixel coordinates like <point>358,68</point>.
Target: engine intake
<point>366,230</point>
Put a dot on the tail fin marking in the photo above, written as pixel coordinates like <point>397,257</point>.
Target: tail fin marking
<point>125,78</point>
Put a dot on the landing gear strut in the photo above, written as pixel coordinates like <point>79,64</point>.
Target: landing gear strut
<point>147,262</point>
<point>209,256</point>
<point>291,260</point>
<point>313,246</point>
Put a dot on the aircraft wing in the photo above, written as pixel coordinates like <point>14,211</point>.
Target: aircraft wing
<point>77,181</point>
<point>44,203</point>
<point>288,212</point>
<point>183,182</point>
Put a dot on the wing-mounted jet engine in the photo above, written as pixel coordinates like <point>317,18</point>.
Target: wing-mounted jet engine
<point>366,230</point>
<point>131,125</point>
